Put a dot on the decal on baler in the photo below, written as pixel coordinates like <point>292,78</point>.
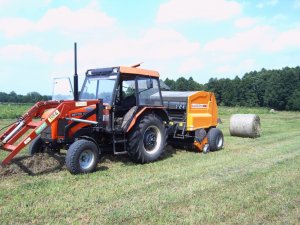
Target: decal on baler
<point>199,106</point>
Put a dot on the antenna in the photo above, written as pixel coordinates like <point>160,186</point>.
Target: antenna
<point>76,95</point>
<point>137,65</point>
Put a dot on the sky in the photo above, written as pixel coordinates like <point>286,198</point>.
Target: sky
<point>189,38</point>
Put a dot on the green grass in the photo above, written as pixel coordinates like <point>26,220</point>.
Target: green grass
<point>13,110</point>
<point>250,181</point>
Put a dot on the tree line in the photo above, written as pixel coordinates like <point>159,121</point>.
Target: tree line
<point>277,89</point>
<point>30,97</point>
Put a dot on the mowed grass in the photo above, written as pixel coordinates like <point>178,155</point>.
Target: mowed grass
<point>250,181</point>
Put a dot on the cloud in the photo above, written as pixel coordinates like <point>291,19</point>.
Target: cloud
<point>244,65</point>
<point>213,10</point>
<point>18,52</point>
<point>12,27</point>
<point>190,65</point>
<point>245,22</point>
<point>153,45</point>
<point>62,19</point>
<point>255,38</point>
<point>260,38</point>
<point>285,40</point>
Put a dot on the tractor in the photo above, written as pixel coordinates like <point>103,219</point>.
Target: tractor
<point>121,110</point>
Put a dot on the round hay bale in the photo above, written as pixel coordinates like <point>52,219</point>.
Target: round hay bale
<point>245,125</point>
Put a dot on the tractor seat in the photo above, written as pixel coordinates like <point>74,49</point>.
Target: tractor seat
<point>128,102</point>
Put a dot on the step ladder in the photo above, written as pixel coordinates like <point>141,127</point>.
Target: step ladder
<point>119,138</point>
<point>179,134</point>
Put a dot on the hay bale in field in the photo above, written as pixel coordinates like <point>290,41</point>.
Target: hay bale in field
<point>245,125</point>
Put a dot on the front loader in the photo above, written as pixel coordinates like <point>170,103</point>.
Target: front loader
<point>119,110</point>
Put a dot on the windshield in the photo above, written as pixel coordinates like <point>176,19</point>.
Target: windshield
<point>98,87</point>
<point>62,89</point>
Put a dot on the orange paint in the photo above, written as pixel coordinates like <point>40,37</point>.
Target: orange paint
<point>202,111</point>
<point>138,71</point>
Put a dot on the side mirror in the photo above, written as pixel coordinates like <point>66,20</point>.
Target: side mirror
<point>149,83</point>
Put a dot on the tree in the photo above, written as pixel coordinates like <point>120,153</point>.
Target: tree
<point>182,84</point>
<point>294,101</point>
<point>170,83</point>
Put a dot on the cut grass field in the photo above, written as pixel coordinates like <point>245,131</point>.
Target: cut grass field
<point>250,181</point>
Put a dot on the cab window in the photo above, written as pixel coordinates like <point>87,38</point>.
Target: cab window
<point>147,88</point>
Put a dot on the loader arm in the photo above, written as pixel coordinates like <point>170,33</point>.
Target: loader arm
<point>24,130</point>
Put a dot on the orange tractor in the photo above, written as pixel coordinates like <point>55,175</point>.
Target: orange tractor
<point>121,110</point>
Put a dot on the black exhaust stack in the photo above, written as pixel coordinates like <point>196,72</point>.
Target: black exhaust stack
<point>76,95</point>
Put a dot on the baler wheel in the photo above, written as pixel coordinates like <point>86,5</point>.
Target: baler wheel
<point>215,139</point>
<point>82,157</point>
<point>36,146</point>
<point>147,139</point>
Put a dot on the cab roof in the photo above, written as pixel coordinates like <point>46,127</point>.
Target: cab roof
<point>123,70</point>
<point>138,71</point>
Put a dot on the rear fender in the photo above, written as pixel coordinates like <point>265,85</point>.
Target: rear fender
<point>159,111</point>
<point>92,140</point>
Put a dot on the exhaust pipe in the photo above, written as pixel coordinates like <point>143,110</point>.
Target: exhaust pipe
<point>76,95</point>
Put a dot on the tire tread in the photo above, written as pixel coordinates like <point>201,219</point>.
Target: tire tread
<point>135,135</point>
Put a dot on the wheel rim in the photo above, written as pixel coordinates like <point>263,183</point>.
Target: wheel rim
<point>219,142</point>
<point>152,139</point>
<point>86,159</point>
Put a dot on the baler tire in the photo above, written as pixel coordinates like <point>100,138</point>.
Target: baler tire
<point>36,146</point>
<point>78,153</point>
<point>215,139</point>
<point>147,139</point>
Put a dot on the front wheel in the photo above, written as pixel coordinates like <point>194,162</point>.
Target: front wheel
<point>215,139</point>
<point>36,146</point>
<point>147,139</point>
<point>82,157</point>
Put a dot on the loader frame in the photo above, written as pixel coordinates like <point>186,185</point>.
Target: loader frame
<point>22,132</point>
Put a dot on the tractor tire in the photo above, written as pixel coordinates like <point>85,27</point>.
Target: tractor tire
<point>215,139</point>
<point>82,157</point>
<point>36,146</point>
<point>147,139</point>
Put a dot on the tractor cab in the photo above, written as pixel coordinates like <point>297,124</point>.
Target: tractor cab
<point>123,90</point>
<point>121,86</point>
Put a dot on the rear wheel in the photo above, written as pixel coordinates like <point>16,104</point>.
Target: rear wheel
<point>82,157</point>
<point>215,139</point>
<point>147,139</point>
<point>36,146</point>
